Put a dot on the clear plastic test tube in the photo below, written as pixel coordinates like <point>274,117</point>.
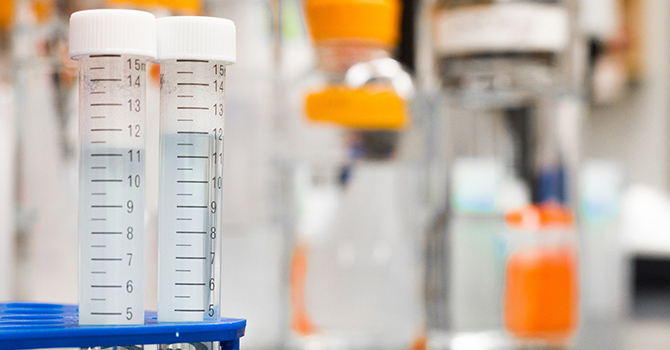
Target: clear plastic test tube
<point>193,53</point>
<point>112,47</point>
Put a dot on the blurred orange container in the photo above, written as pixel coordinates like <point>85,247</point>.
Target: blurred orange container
<point>541,275</point>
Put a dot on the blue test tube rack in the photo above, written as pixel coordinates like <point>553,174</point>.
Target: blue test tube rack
<point>44,326</point>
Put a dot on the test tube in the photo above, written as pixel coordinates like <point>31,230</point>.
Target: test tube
<point>112,47</point>
<point>193,53</point>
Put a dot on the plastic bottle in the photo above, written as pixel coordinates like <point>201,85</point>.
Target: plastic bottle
<point>352,171</point>
<point>540,298</point>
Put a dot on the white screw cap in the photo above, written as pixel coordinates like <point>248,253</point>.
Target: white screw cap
<point>196,37</point>
<point>118,32</point>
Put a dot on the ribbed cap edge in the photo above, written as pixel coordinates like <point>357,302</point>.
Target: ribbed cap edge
<point>196,37</point>
<point>112,31</point>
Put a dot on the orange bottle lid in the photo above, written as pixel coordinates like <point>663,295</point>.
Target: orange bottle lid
<point>191,7</point>
<point>43,10</point>
<point>365,108</point>
<point>6,14</point>
<point>374,20</point>
<point>547,215</point>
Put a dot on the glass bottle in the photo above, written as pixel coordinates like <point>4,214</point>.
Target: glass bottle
<point>352,169</point>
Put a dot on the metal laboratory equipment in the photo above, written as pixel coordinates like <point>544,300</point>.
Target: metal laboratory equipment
<point>511,111</point>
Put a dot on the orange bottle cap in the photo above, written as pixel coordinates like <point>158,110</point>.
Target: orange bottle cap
<point>540,216</point>
<point>6,14</point>
<point>191,7</point>
<point>365,108</point>
<point>374,20</point>
<point>43,10</point>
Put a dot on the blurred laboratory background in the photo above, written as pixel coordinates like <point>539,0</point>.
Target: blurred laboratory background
<point>415,174</point>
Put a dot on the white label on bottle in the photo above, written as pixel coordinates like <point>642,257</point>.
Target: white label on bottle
<point>520,27</point>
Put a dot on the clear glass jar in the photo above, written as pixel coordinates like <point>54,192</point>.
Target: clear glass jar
<point>353,170</point>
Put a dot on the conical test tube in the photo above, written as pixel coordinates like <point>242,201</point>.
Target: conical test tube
<point>112,47</point>
<point>193,53</point>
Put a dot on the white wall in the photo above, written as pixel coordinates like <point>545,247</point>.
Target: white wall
<point>7,174</point>
<point>636,130</point>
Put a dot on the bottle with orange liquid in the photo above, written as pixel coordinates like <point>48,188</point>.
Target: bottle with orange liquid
<point>510,79</point>
<point>541,288</point>
<point>352,171</point>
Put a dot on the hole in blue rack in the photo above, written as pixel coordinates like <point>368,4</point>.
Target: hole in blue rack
<point>33,311</point>
<point>33,306</point>
<point>31,317</point>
